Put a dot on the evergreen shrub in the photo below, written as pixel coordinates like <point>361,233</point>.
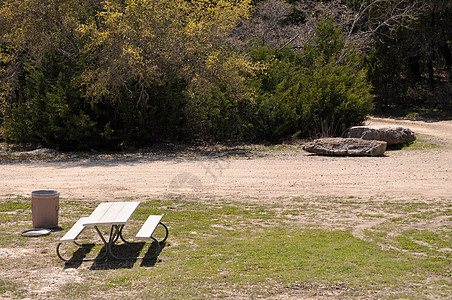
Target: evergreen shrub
<point>52,111</point>
<point>320,91</point>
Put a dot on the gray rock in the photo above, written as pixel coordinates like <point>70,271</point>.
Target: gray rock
<point>390,134</point>
<point>346,147</point>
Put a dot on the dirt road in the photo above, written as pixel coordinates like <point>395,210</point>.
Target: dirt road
<point>423,172</point>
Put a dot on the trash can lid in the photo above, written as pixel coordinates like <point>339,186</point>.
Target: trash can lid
<point>36,232</point>
<point>45,192</point>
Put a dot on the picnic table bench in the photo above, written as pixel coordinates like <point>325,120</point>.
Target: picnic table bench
<point>116,215</point>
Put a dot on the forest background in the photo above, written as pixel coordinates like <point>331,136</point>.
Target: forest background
<point>91,74</point>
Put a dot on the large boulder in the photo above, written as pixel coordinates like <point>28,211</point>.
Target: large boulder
<point>390,134</point>
<point>346,147</point>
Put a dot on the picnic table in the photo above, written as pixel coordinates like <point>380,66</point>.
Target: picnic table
<point>116,215</point>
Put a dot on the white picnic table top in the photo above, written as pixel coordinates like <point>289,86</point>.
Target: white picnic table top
<point>111,213</point>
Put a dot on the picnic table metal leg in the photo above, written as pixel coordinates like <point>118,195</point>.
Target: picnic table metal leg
<point>101,236</point>
<point>166,232</point>
<point>116,232</point>
<point>157,251</point>
<point>120,235</point>
<point>83,259</point>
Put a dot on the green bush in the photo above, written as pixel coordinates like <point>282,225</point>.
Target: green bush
<point>52,111</point>
<point>335,97</point>
<point>215,116</point>
<point>317,92</point>
<point>274,115</point>
<point>49,112</point>
<point>158,118</point>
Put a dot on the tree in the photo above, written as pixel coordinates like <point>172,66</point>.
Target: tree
<point>31,28</point>
<point>130,66</point>
<point>138,43</point>
<point>417,57</point>
<point>124,44</point>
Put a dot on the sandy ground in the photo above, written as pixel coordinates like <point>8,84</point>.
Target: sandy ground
<point>423,173</point>
<point>265,176</point>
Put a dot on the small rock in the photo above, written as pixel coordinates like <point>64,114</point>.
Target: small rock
<point>391,134</point>
<point>42,151</point>
<point>346,147</point>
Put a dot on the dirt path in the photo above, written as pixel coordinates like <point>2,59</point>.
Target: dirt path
<point>422,173</point>
<point>267,176</point>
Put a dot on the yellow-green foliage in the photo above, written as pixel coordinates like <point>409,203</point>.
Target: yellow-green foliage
<point>148,41</point>
<point>124,42</point>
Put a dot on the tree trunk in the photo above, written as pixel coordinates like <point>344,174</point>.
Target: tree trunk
<point>413,63</point>
<point>431,78</point>
<point>446,54</point>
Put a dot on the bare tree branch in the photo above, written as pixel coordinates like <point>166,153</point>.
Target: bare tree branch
<point>380,17</point>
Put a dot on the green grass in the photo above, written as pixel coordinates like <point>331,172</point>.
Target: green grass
<point>222,249</point>
<point>416,113</point>
<point>423,142</point>
<point>424,241</point>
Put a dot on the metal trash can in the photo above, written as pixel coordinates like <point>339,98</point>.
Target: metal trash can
<point>45,205</point>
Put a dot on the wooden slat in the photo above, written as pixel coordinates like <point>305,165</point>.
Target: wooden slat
<point>125,212</point>
<point>74,232</point>
<point>98,213</point>
<point>148,227</point>
<point>112,213</point>
<point>109,216</point>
